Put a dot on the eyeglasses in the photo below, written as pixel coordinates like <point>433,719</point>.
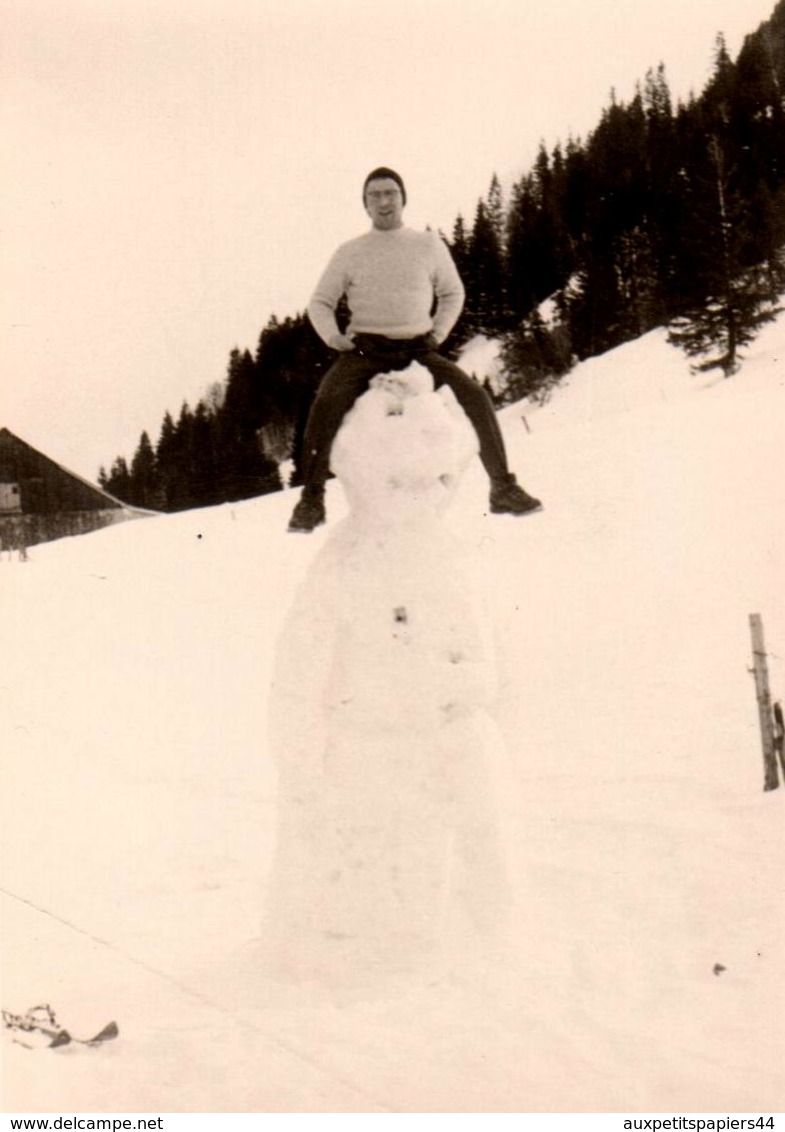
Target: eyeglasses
<point>381,194</point>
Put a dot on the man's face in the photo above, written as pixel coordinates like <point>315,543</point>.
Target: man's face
<point>384,203</point>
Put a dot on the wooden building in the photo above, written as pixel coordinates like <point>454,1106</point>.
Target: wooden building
<point>41,501</point>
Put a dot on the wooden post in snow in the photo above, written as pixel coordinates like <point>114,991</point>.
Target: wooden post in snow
<point>779,737</point>
<point>770,773</point>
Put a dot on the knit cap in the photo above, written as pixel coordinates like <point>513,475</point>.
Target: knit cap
<point>379,174</point>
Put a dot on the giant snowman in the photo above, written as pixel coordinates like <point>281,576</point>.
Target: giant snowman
<point>387,854</point>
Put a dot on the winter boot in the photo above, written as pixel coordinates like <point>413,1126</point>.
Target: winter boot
<point>508,497</point>
<point>309,512</point>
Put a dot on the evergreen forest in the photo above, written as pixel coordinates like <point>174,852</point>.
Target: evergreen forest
<point>664,216</point>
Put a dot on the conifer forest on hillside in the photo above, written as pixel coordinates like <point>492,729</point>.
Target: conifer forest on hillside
<point>663,216</point>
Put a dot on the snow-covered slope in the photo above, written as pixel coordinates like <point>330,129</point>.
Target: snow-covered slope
<point>137,801</point>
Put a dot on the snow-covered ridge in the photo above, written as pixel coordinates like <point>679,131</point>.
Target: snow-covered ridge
<point>137,798</point>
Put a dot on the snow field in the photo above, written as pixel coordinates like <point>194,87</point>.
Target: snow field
<point>138,801</point>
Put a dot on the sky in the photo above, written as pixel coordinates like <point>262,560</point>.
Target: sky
<point>174,172</point>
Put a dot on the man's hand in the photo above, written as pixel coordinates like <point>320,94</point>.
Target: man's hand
<point>342,343</point>
<point>431,341</point>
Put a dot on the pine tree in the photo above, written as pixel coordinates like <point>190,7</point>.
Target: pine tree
<point>736,298</point>
<point>759,123</point>
<point>459,245</point>
<point>143,486</point>
<point>239,418</point>
<point>539,246</point>
<point>768,238</point>
<point>205,485</point>
<point>719,96</point>
<point>657,97</point>
<point>290,361</point>
<point>184,459</point>
<point>523,258</point>
<point>494,208</point>
<point>534,357</point>
<point>641,302</point>
<point>119,481</point>
<point>459,249</point>
<point>485,276</point>
<point>169,472</point>
<point>660,222</point>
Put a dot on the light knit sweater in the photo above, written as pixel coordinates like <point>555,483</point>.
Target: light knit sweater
<point>390,279</point>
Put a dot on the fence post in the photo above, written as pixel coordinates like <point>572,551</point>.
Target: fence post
<point>760,669</point>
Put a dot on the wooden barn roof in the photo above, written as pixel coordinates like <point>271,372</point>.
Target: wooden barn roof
<point>18,450</point>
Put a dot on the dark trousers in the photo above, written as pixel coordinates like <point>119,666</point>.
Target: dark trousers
<point>348,378</point>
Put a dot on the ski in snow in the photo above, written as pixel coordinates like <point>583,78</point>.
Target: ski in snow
<point>42,1020</point>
